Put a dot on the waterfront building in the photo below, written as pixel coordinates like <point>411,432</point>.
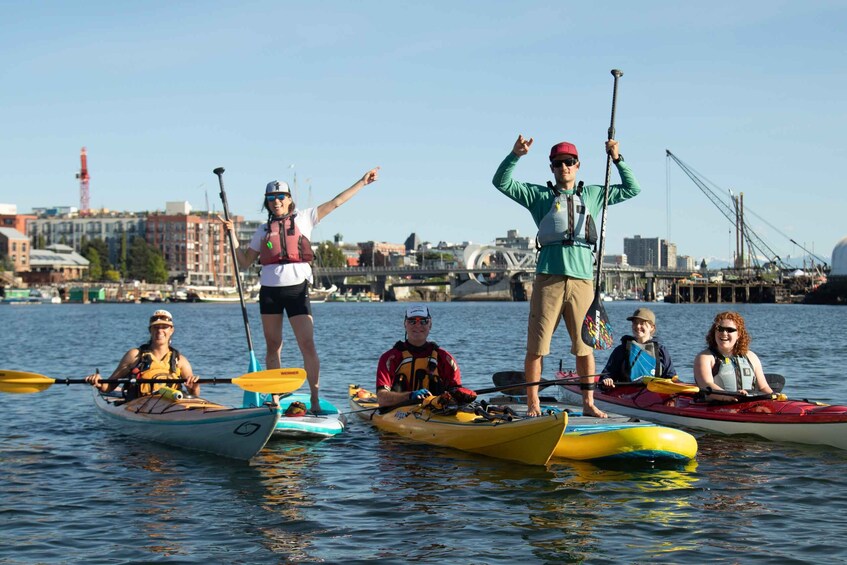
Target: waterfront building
<point>56,264</point>
<point>514,240</point>
<point>15,245</point>
<point>373,253</point>
<point>194,245</point>
<point>668,254</point>
<point>616,260</point>
<point>651,252</point>
<point>643,251</point>
<point>834,290</point>
<point>412,243</point>
<point>114,228</point>
<point>9,218</point>
<point>686,263</point>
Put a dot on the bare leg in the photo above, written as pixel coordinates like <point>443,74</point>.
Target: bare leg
<point>585,366</point>
<point>304,331</point>
<point>272,328</point>
<point>532,373</point>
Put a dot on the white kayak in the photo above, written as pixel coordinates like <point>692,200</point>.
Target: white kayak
<point>190,423</point>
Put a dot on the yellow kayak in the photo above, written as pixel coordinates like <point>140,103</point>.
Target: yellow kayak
<point>525,440</point>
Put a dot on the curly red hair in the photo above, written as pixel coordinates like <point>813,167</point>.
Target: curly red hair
<point>742,346</point>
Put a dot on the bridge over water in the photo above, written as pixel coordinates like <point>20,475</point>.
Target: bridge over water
<point>487,272</point>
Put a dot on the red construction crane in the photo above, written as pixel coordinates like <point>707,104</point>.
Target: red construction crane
<point>83,177</point>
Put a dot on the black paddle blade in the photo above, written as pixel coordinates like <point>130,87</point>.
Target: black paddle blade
<point>596,330</point>
<point>508,378</point>
<point>775,381</point>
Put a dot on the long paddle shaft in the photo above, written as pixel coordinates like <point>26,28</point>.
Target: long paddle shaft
<point>271,381</point>
<point>254,363</point>
<point>666,386</point>
<point>411,402</point>
<point>596,330</point>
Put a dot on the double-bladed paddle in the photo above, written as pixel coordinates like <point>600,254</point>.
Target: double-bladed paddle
<point>513,382</point>
<point>271,381</point>
<point>506,387</point>
<point>668,386</point>
<point>596,330</point>
<point>516,379</point>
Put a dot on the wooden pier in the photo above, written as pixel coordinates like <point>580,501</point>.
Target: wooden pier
<point>758,292</point>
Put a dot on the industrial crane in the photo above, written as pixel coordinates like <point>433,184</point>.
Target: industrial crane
<point>735,214</point>
<point>83,177</point>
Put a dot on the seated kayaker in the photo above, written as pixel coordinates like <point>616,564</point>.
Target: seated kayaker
<point>415,368</point>
<point>727,363</point>
<point>154,359</point>
<point>638,353</point>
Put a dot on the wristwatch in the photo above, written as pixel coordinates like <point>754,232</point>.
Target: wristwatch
<point>620,158</point>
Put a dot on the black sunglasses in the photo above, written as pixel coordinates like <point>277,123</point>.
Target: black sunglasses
<point>726,329</point>
<point>567,161</point>
<point>272,197</point>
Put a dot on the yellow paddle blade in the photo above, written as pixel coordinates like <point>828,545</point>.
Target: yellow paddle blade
<point>667,386</point>
<point>20,382</point>
<point>272,381</point>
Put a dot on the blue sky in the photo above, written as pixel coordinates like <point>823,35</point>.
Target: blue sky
<point>750,94</point>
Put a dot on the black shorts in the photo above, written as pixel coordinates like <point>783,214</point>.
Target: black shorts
<point>293,300</point>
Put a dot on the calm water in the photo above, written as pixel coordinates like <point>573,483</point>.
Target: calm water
<point>75,491</point>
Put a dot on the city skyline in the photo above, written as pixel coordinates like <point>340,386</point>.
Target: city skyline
<point>639,256</point>
<point>160,94</point>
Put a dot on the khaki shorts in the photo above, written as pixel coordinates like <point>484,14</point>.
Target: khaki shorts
<point>555,297</point>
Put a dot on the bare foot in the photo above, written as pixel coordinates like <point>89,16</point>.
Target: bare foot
<point>591,410</point>
<point>315,405</point>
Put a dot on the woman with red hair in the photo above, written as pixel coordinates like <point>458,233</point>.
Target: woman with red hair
<point>727,363</point>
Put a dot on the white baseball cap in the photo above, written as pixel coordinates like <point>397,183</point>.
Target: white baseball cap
<point>418,311</point>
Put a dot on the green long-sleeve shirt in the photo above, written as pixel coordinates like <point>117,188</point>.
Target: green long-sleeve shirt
<point>571,260</point>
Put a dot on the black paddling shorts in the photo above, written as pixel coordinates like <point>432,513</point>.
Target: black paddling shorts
<point>294,300</point>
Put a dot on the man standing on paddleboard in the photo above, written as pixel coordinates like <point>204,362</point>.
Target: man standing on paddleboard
<point>564,213</point>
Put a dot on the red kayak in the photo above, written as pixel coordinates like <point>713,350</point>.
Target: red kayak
<point>677,405</point>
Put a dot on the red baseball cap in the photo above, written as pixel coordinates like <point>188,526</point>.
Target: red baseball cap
<point>563,148</point>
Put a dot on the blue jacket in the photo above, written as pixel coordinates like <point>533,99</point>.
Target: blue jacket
<point>618,366</point>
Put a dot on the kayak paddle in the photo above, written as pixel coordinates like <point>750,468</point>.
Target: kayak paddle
<point>507,380</point>
<point>668,386</point>
<point>541,383</point>
<point>775,381</point>
<point>596,330</point>
<point>271,381</point>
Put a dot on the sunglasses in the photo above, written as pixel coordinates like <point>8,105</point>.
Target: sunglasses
<point>726,329</point>
<point>160,318</point>
<point>272,197</point>
<point>416,321</point>
<point>567,161</point>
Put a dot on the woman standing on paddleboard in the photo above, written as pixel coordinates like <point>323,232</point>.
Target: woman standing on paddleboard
<point>283,247</point>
